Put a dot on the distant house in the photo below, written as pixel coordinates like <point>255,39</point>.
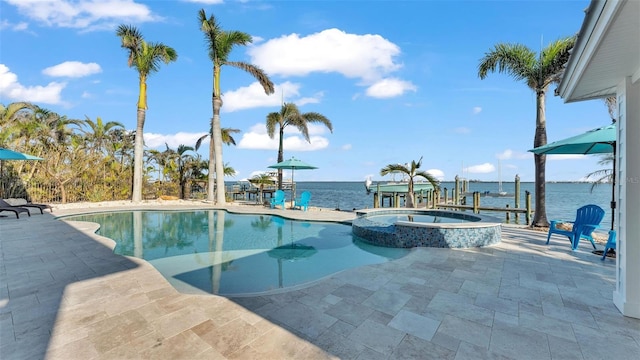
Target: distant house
<point>606,62</point>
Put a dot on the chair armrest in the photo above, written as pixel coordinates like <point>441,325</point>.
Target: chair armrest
<point>553,223</point>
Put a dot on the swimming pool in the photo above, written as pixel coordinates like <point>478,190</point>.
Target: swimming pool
<point>217,252</point>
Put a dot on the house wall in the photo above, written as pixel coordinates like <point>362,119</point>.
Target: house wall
<point>627,294</point>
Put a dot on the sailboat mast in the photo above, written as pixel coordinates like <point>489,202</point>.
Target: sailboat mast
<point>499,176</point>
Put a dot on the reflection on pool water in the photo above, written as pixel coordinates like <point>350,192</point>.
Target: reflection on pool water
<point>217,252</point>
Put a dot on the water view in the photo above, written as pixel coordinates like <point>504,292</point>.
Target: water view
<point>563,199</point>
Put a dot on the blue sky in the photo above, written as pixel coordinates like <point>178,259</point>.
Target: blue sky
<point>398,80</point>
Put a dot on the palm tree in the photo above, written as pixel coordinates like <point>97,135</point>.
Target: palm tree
<point>538,72</point>
<point>261,180</point>
<point>220,43</point>
<point>227,139</point>
<point>100,133</point>
<point>290,115</point>
<point>183,166</point>
<point>605,175</point>
<point>11,113</point>
<point>146,58</point>
<point>411,171</point>
<point>602,175</point>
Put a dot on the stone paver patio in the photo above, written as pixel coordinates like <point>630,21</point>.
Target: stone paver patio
<point>65,295</point>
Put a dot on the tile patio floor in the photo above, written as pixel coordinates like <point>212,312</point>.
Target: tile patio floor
<point>65,295</point>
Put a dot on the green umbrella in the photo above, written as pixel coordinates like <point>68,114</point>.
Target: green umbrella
<point>293,164</point>
<point>597,141</point>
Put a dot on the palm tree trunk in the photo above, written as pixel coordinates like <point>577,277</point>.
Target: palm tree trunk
<point>280,156</point>
<point>212,151</point>
<point>217,143</point>
<point>212,169</point>
<point>137,158</point>
<point>540,214</point>
<point>410,203</point>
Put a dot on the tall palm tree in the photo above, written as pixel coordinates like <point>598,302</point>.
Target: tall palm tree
<point>411,171</point>
<point>290,115</point>
<point>219,44</point>
<point>538,71</point>
<point>146,58</point>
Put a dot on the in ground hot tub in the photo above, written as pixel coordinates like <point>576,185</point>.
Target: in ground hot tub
<point>408,228</point>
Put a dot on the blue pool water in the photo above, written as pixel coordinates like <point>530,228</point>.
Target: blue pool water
<point>229,254</point>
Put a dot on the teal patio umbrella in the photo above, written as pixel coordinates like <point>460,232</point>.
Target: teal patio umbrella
<point>597,141</point>
<point>6,154</point>
<point>293,164</point>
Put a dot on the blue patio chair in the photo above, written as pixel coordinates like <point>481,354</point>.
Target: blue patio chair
<point>303,201</point>
<point>278,199</point>
<point>588,219</point>
<point>611,243</point>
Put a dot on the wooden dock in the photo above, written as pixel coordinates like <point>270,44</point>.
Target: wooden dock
<point>434,199</point>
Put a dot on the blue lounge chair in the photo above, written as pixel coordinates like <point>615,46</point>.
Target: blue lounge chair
<point>303,201</point>
<point>611,243</point>
<point>278,199</point>
<point>588,219</point>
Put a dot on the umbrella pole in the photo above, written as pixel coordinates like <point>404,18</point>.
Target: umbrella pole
<point>613,189</point>
<point>293,185</point>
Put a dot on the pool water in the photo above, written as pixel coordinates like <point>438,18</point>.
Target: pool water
<point>217,252</point>
<point>390,219</point>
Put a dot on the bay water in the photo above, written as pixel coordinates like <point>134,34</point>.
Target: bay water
<point>562,199</point>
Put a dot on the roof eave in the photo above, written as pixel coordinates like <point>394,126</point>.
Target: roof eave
<point>597,20</point>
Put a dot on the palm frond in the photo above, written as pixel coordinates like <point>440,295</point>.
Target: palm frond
<point>257,73</point>
<point>516,60</point>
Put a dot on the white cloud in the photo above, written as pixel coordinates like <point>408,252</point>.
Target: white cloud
<point>21,26</point>
<point>173,140</point>
<point>437,173</point>
<point>10,88</point>
<point>510,154</point>
<point>481,169</point>
<point>367,57</point>
<point>84,14</point>
<point>314,129</point>
<point>476,110</point>
<point>388,88</point>
<point>256,138</point>
<point>74,69</point>
<point>253,96</point>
